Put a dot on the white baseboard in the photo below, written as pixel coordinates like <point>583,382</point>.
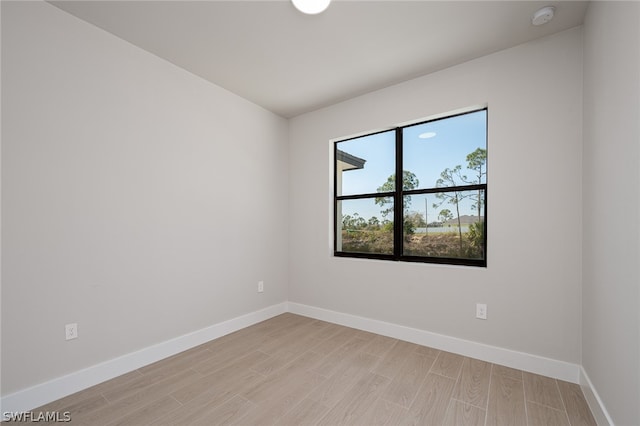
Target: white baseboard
<point>60,387</point>
<point>598,409</point>
<point>514,359</point>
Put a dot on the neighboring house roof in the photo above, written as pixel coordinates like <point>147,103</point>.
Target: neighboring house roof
<point>351,160</point>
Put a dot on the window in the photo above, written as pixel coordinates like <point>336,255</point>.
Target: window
<point>414,193</point>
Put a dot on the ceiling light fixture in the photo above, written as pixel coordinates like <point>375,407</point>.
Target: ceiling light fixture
<point>311,7</point>
<point>543,16</point>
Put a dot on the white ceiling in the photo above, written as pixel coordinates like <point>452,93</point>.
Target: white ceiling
<point>291,63</point>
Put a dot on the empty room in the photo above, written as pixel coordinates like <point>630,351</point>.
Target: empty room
<point>343,212</point>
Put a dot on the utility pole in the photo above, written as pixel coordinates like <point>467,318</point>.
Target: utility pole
<point>426,217</point>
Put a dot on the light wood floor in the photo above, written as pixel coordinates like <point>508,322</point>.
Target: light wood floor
<point>293,370</point>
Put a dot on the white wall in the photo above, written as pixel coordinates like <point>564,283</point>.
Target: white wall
<point>611,289</point>
<point>532,281</point>
<point>117,168</point>
<point>138,200</point>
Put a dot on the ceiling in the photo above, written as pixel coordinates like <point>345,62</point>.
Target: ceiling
<point>290,63</point>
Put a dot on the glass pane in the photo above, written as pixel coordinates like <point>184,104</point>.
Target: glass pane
<point>365,164</point>
<point>365,225</point>
<point>447,152</point>
<point>454,222</point>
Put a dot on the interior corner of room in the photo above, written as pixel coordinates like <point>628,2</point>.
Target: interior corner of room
<point>150,210</point>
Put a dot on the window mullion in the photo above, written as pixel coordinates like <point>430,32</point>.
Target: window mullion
<point>335,200</point>
<point>398,201</point>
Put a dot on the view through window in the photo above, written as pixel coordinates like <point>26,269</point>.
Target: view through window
<point>415,193</point>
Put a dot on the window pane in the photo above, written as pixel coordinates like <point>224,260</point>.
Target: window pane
<point>366,225</point>
<point>447,152</point>
<point>365,164</point>
<point>454,225</point>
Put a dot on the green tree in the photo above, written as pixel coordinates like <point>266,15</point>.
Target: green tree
<point>476,238</point>
<point>346,221</point>
<point>416,218</point>
<point>359,222</point>
<point>451,177</point>
<point>373,223</point>
<point>354,222</point>
<point>412,221</point>
<point>445,215</point>
<point>409,182</point>
<point>477,161</point>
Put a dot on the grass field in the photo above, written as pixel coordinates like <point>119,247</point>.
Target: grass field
<point>443,244</point>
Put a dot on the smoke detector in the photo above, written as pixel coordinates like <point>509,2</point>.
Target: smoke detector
<point>543,16</point>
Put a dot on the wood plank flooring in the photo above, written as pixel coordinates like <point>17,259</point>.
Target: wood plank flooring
<point>293,370</point>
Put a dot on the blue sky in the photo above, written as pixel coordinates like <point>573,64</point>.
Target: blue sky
<point>428,149</point>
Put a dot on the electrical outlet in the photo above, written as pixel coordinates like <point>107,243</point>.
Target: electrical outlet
<point>481,311</point>
<point>71,331</point>
<point>260,286</point>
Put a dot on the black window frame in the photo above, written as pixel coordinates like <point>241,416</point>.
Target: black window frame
<point>398,195</point>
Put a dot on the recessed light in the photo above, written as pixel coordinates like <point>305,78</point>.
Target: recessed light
<point>311,7</point>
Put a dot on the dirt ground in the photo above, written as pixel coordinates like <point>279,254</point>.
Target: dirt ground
<point>435,245</point>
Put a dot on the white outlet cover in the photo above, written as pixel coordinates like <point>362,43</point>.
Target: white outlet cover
<point>71,331</point>
<point>481,311</point>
